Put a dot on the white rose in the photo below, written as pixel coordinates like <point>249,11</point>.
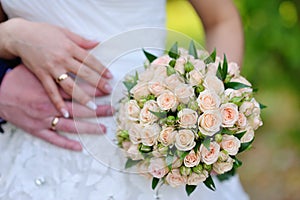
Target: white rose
<point>146,117</point>
<point>212,82</point>
<point>156,87</point>
<point>143,169</point>
<point>177,162</point>
<point>179,66</point>
<point>231,144</point>
<point>167,101</point>
<point>183,52</point>
<point>175,179</point>
<point>134,153</point>
<point>167,136</point>
<point>209,122</point>
<point>210,156</point>
<point>195,77</point>
<point>199,65</point>
<point>248,136</point>
<point>149,134</point>
<point>247,108</point>
<point>196,179</point>
<point>140,91</point>
<point>161,61</point>
<point>192,159</point>
<point>242,121</point>
<point>158,167</point>
<point>133,110</point>
<point>231,93</point>
<point>208,100</point>
<point>187,118</point>
<point>184,93</point>
<point>146,75</point>
<point>222,167</point>
<point>184,140</point>
<point>173,81</point>
<point>230,114</point>
<point>233,69</point>
<point>160,72</point>
<point>241,79</point>
<point>255,121</point>
<point>134,133</point>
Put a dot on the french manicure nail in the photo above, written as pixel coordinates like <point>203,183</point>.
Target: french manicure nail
<point>65,113</point>
<point>107,88</point>
<point>91,105</point>
<point>109,74</point>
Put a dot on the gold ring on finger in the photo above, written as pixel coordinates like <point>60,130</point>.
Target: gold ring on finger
<point>54,122</point>
<point>62,77</point>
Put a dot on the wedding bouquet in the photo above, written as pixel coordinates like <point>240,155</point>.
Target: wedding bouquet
<point>186,117</point>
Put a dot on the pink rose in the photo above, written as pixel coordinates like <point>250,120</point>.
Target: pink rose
<point>184,93</point>
<point>149,134</point>
<point>161,61</point>
<point>173,81</point>
<point>140,91</point>
<point>184,140</point>
<point>134,153</point>
<point>158,167</point>
<point>146,117</point>
<point>192,159</point>
<point>248,136</point>
<point>210,156</point>
<point>175,179</point>
<point>231,144</point>
<point>230,114</point>
<point>242,121</point>
<point>196,179</point>
<point>187,118</point>
<point>195,77</point>
<point>167,101</point>
<point>167,136</point>
<point>211,82</point>
<point>134,133</point>
<point>209,122</point>
<point>133,110</point>
<point>156,87</point>
<point>208,100</point>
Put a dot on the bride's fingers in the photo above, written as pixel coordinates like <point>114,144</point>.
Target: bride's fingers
<point>77,110</point>
<point>59,140</point>
<point>80,127</point>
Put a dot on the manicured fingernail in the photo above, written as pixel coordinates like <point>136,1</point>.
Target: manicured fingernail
<point>108,74</point>
<point>77,147</point>
<point>91,105</point>
<point>103,129</point>
<point>110,111</point>
<point>107,88</point>
<point>65,113</point>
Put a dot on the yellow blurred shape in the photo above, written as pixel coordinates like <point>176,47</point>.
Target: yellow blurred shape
<point>288,13</point>
<point>182,17</point>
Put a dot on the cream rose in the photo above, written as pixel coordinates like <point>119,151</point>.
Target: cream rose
<point>196,179</point>
<point>212,82</point>
<point>210,156</point>
<point>140,91</point>
<point>187,118</point>
<point>167,101</point>
<point>167,136</point>
<point>149,134</point>
<point>146,75</point>
<point>248,136</point>
<point>209,122</point>
<point>146,117</point>
<point>199,65</point>
<point>255,121</point>
<point>229,113</point>
<point>158,167</point>
<point>242,121</point>
<point>173,81</point>
<point>184,93</point>
<point>134,133</point>
<point>160,71</point>
<point>161,61</point>
<point>184,140</point>
<point>241,79</point>
<point>222,167</point>
<point>208,100</point>
<point>233,69</point>
<point>247,108</point>
<point>231,144</point>
<point>133,110</point>
<point>192,159</point>
<point>179,66</point>
<point>156,87</point>
<point>134,153</point>
<point>195,77</point>
<point>175,179</point>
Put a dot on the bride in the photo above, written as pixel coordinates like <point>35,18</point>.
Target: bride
<point>49,38</point>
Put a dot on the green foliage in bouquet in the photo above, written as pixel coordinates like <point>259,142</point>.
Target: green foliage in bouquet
<point>165,124</point>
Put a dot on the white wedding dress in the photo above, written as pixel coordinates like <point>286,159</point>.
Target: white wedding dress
<point>31,169</point>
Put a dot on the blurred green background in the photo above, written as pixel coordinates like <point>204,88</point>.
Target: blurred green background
<point>271,170</point>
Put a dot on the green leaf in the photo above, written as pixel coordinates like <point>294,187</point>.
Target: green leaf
<point>245,146</point>
<point>130,163</point>
<point>182,154</point>
<point>172,63</point>
<point>210,183</point>
<point>154,182</point>
<point>224,68</point>
<point>240,135</point>
<point>149,56</point>
<point>235,85</point>
<point>227,131</point>
<point>262,106</point>
<point>211,58</point>
<point>170,70</point>
<point>160,115</point>
<point>169,161</point>
<point>226,175</point>
<point>237,163</point>
<point>193,50</point>
<point>219,72</point>
<point>129,85</point>
<point>173,52</point>
<point>189,189</point>
<point>206,143</point>
<point>196,148</point>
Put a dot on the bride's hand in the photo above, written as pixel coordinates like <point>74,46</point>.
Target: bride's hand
<point>24,103</point>
<point>51,53</point>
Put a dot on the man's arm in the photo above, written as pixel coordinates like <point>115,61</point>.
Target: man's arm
<point>223,28</point>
